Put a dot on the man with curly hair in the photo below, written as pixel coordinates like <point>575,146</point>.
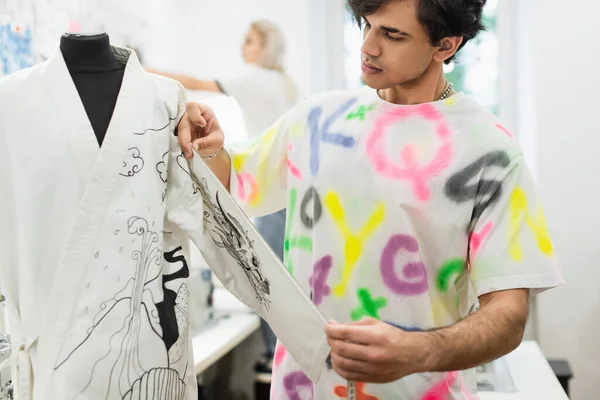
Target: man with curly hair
<point>413,221</point>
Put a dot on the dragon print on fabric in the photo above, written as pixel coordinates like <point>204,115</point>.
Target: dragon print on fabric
<point>227,233</point>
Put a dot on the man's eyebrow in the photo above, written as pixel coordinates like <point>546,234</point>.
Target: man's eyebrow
<point>394,30</point>
<point>389,29</point>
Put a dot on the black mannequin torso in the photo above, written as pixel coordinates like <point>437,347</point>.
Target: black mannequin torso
<point>97,75</point>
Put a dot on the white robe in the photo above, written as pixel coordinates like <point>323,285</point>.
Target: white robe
<point>95,281</point>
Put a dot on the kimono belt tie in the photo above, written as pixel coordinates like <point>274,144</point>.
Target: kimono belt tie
<point>22,369</point>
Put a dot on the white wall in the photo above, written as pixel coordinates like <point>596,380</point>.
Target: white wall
<point>328,53</point>
<point>566,62</point>
<point>201,37</point>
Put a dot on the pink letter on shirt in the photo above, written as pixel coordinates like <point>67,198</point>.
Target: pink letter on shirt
<point>418,175</point>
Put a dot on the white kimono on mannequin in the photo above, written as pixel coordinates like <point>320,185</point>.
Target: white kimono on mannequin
<point>91,261</point>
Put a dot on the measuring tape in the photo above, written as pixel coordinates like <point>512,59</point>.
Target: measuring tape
<point>351,390</point>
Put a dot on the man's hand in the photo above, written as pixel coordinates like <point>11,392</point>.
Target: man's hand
<point>199,129</point>
<point>375,352</point>
<point>372,351</point>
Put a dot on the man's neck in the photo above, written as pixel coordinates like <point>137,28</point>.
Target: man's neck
<point>427,88</point>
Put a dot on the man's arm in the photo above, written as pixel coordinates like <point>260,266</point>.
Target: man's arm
<point>221,167</point>
<point>376,352</point>
<point>494,330</point>
<point>259,165</point>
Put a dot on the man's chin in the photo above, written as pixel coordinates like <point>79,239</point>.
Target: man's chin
<point>374,81</point>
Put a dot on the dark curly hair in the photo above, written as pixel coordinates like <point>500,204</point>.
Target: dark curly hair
<point>441,18</point>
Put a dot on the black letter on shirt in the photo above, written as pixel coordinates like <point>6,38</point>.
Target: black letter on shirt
<point>307,220</point>
<point>464,185</point>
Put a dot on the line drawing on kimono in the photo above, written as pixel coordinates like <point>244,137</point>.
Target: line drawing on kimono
<point>227,233</point>
<point>182,162</point>
<point>156,129</point>
<point>172,310</point>
<point>133,163</point>
<point>146,388</point>
<point>163,172</point>
<point>136,321</point>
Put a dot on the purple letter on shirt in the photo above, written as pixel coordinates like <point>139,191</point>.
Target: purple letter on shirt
<point>318,280</point>
<point>293,382</point>
<point>414,271</point>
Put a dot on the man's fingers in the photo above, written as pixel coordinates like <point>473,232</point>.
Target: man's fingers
<point>349,350</point>
<point>352,373</point>
<point>206,111</point>
<point>199,144</point>
<point>365,322</point>
<point>184,136</point>
<point>195,131</point>
<point>350,365</point>
<point>351,333</point>
<point>195,113</point>
<point>207,142</point>
<point>202,115</point>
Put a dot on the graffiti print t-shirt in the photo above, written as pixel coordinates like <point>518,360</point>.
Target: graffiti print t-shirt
<point>402,213</point>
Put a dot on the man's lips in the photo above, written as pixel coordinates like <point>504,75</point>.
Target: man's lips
<point>370,68</point>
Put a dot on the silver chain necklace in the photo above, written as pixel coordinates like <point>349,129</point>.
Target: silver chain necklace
<point>446,91</point>
<point>444,95</point>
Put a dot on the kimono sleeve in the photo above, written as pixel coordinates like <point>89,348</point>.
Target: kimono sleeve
<point>259,170</point>
<point>510,246</point>
<point>201,210</point>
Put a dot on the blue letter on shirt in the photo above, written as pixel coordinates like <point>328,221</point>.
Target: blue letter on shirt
<point>322,133</point>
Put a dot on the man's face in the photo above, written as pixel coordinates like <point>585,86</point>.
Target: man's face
<point>396,47</point>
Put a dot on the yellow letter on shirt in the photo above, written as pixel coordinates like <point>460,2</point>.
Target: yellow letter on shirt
<point>537,224</point>
<point>354,243</point>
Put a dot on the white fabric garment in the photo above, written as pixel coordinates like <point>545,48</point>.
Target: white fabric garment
<point>96,289</point>
<point>91,256</point>
<point>248,268</point>
<point>261,94</point>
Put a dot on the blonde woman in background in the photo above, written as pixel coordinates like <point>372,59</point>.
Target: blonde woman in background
<point>263,90</point>
<point>264,93</point>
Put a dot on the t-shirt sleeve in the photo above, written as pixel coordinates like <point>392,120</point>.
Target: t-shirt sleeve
<point>510,246</point>
<point>259,170</point>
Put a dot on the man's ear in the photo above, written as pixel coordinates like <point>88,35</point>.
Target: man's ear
<point>447,48</point>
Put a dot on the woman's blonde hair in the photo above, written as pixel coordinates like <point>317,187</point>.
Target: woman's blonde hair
<point>273,44</point>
